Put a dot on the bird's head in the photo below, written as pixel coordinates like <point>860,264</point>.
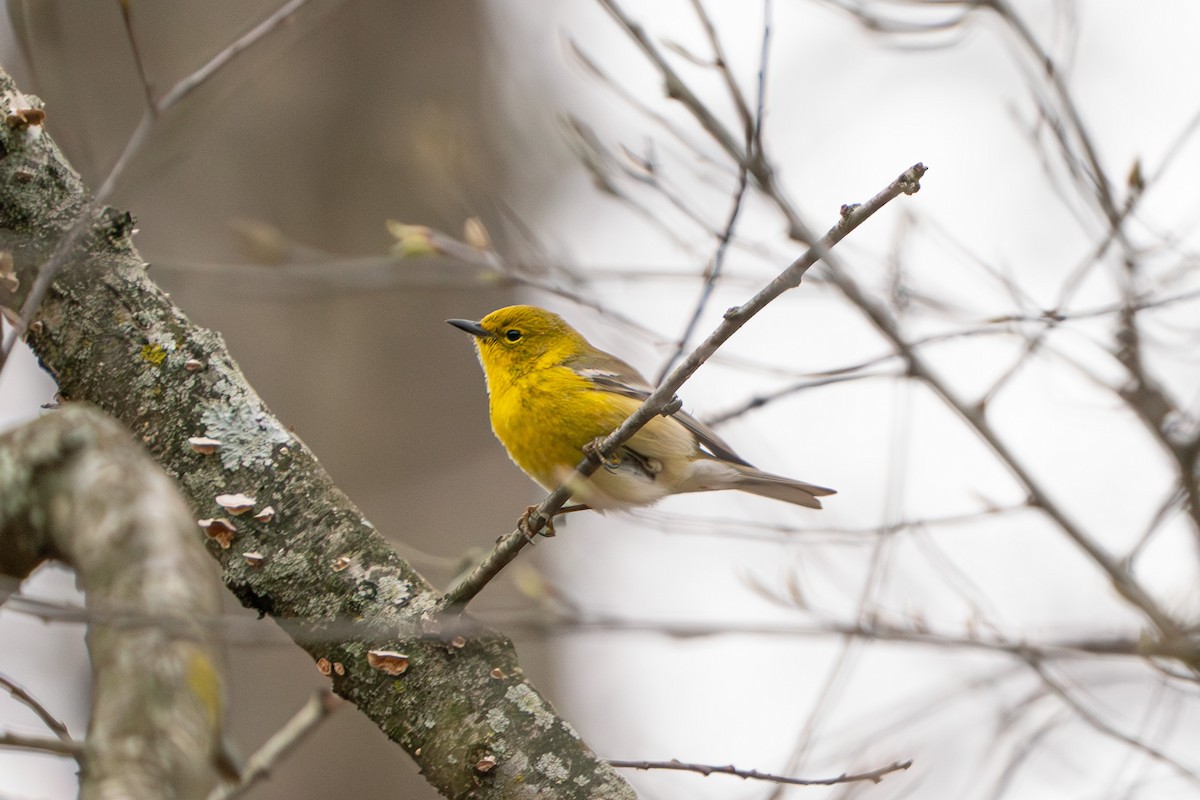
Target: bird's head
<point>515,340</point>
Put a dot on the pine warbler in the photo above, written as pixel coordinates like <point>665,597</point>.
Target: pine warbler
<point>551,393</point>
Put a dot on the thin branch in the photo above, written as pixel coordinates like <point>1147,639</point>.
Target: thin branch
<point>753,133</point>
<point>851,372</point>
<point>1022,752</point>
<point>1186,647</point>
<point>675,86</point>
<point>874,776</point>
<point>228,53</point>
<point>643,109</point>
<point>596,159</point>
<point>127,20</point>
<point>755,146</point>
<point>761,400</point>
<point>711,273</point>
<point>1102,727</point>
<point>43,744</point>
<point>295,730</point>
<point>1100,182</point>
<point>1167,510</point>
<point>1125,584</point>
<point>510,545</point>
<point>780,534</point>
<point>56,726</point>
<point>861,11</point>
<point>676,89</point>
<point>244,632</point>
<point>94,208</point>
<point>748,121</point>
<point>188,84</point>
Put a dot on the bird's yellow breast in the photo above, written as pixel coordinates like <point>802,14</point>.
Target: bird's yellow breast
<point>552,393</point>
<point>545,418</point>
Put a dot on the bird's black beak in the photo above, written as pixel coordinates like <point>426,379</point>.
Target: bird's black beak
<point>473,328</point>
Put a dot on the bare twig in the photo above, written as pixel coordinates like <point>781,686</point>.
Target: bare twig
<point>1024,750</point>
<point>778,533</point>
<point>603,166</point>
<point>56,726</point>
<point>755,145</point>
<point>675,86</point>
<point>749,123</point>
<point>711,273</point>
<point>92,210</point>
<point>295,730</point>
<point>136,50</point>
<point>873,630</point>
<point>249,633</point>
<point>874,776</point>
<point>753,134</point>
<point>1058,689</point>
<point>1126,584</point>
<point>863,11</point>
<point>1101,186</point>
<point>43,744</point>
<point>627,97</point>
<point>755,163</point>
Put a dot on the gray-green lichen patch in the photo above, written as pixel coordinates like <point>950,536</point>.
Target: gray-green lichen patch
<point>553,767</point>
<point>248,434</point>
<point>567,729</point>
<point>496,720</point>
<point>528,701</point>
<point>390,589</point>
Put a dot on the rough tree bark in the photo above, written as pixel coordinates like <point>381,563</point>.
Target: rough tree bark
<point>109,335</point>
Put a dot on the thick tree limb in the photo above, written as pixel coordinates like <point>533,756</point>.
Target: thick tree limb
<point>77,489</point>
<point>110,336</point>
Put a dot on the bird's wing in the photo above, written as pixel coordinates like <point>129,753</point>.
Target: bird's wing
<point>613,375</point>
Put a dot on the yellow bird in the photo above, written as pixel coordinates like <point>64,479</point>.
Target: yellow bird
<point>551,393</point>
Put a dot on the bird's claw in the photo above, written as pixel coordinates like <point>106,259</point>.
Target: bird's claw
<point>527,530</point>
<point>592,451</point>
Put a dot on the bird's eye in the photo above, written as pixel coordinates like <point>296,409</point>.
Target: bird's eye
<point>512,334</point>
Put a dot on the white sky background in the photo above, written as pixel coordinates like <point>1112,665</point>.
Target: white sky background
<point>845,115</point>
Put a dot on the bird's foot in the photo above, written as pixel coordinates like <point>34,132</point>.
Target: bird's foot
<point>524,527</point>
<point>547,529</point>
<point>592,451</point>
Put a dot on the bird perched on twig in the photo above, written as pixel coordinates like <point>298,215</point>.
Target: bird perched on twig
<point>552,393</point>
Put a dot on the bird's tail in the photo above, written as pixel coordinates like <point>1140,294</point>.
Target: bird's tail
<point>778,487</point>
<point>711,474</point>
